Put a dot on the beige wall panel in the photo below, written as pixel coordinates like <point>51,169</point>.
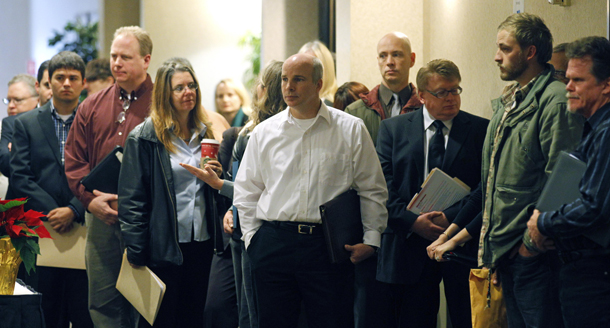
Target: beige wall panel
<point>273,42</point>
<point>206,33</point>
<point>465,32</point>
<point>287,25</point>
<point>114,14</point>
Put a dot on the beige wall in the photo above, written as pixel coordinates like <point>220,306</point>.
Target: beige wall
<point>463,31</point>
<point>366,23</point>
<point>287,25</point>
<point>114,14</point>
<point>206,32</point>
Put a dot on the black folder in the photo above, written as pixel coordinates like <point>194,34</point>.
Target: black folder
<point>562,187</point>
<point>342,224</point>
<point>105,175</point>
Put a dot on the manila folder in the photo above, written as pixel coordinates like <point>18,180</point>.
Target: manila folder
<point>65,250</point>
<point>142,288</point>
<point>438,192</point>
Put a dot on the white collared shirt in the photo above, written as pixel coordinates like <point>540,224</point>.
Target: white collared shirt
<point>287,172</point>
<point>430,130</point>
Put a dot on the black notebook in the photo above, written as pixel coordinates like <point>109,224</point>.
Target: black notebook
<point>342,224</point>
<point>105,175</point>
<point>562,187</point>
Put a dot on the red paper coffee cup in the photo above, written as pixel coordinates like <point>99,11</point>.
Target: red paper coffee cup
<point>209,150</point>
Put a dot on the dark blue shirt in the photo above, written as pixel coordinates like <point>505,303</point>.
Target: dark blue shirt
<point>592,210</point>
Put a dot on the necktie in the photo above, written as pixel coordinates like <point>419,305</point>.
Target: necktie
<point>396,106</point>
<point>436,149</point>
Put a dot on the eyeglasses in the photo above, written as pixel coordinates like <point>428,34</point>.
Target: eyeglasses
<point>181,88</point>
<point>444,93</point>
<point>16,100</point>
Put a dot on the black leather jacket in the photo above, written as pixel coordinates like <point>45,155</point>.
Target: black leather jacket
<point>147,202</point>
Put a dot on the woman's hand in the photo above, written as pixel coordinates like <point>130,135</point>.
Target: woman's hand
<point>441,240</point>
<point>207,174</point>
<point>444,248</point>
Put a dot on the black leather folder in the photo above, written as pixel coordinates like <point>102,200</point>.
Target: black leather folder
<point>341,224</point>
<point>105,175</point>
<point>562,186</point>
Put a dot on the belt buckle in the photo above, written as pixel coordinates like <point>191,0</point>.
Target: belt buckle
<point>305,229</point>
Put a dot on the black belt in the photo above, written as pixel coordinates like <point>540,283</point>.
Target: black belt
<point>303,228</point>
<point>571,256</point>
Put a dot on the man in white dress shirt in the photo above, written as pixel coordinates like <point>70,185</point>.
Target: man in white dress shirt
<point>294,162</point>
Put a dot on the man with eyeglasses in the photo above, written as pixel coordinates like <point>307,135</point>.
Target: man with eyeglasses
<point>438,135</point>
<point>102,122</point>
<point>21,97</point>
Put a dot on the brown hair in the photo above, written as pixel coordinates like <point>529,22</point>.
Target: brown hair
<point>348,93</point>
<point>162,111</point>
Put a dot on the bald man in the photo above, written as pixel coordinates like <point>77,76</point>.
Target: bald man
<point>395,95</point>
<point>288,170</point>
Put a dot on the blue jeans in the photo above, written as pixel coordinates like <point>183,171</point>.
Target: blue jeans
<point>531,290</point>
<point>585,292</point>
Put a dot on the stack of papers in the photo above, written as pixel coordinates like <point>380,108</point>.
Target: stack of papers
<point>437,193</point>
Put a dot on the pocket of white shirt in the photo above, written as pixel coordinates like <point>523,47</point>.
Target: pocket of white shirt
<point>334,169</point>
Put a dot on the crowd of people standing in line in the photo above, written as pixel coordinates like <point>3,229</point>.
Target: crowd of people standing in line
<point>239,243</point>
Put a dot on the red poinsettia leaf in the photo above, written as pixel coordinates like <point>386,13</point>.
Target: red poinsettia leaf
<point>14,230</point>
<point>43,232</point>
<point>32,218</point>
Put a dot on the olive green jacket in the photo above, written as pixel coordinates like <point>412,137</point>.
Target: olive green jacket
<point>529,142</point>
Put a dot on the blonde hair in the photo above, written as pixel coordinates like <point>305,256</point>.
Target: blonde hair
<point>271,102</point>
<point>140,34</point>
<point>241,93</point>
<point>162,112</point>
<point>329,81</point>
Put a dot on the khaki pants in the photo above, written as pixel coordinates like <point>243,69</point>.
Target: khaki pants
<point>103,255</point>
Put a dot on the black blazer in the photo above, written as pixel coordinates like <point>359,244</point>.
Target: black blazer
<point>36,169</point>
<point>5,138</point>
<point>400,146</point>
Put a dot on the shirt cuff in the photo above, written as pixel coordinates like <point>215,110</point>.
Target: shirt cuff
<point>247,237</point>
<point>527,241</point>
<point>77,217</point>
<point>544,224</point>
<point>227,189</point>
<point>372,238</point>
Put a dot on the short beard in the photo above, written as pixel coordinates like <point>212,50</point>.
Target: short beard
<point>516,71</point>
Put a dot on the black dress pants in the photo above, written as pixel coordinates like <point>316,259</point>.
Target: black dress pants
<point>186,287</point>
<point>288,268</point>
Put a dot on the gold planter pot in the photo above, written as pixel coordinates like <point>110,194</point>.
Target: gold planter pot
<point>9,266</point>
